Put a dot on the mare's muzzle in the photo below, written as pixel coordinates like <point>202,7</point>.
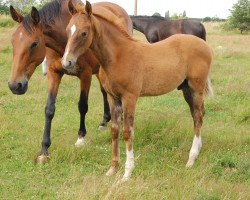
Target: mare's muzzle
<point>19,87</point>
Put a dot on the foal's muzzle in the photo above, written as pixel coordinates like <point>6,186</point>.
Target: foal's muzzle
<point>68,64</point>
<point>19,87</point>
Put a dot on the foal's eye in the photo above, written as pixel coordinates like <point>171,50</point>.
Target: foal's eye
<point>34,45</point>
<point>84,34</point>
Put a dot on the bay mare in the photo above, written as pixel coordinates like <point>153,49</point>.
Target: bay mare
<point>130,69</point>
<point>43,33</point>
<point>157,28</point>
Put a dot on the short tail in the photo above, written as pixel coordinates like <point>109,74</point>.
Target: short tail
<point>208,89</point>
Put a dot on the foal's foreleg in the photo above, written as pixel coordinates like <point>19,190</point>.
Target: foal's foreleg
<point>198,114</point>
<point>54,80</point>
<point>116,112</point>
<point>129,111</point>
<point>83,105</point>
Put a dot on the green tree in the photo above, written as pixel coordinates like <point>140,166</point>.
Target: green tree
<point>157,14</point>
<point>240,15</point>
<point>23,5</point>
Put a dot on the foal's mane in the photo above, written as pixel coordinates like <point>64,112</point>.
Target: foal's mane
<point>109,19</point>
<point>48,13</point>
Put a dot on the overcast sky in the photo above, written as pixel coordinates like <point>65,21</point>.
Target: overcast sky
<point>193,8</point>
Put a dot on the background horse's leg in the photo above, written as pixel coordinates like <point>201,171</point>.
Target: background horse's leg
<point>106,114</point>
<point>198,114</point>
<point>129,104</point>
<point>116,112</point>
<point>85,78</point>
<point>54,80</point>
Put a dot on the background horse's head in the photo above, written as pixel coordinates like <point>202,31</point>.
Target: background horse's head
<point>80,34</point>
<point>28,49</point>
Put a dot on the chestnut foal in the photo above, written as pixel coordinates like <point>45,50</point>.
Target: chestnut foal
<point>130,69</point>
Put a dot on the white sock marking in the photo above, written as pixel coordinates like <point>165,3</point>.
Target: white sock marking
<point>79,142</point>
<point>195,150</point>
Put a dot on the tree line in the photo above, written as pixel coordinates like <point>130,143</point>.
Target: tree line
<point>239,18</point>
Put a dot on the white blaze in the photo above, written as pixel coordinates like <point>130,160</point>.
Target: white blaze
<point>73,29</point>
<point>45,66</point>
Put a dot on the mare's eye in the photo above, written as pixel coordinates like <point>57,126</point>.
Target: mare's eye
<point>34,45</point>
<point>84,34</point>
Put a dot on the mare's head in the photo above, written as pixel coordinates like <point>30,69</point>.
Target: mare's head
<point>80,34</point>
<point>28,49</point>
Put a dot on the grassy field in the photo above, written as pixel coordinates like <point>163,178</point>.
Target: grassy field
<point>163,137</point>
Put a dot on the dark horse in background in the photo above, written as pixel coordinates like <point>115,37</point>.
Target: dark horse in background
<point>157,28</point>
<point>43,33</point>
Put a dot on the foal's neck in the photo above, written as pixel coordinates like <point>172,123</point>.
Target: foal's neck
<point>108,42</point>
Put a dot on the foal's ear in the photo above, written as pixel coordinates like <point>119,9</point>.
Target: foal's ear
<point>35,15</point>
<point>88,8</point>
<point>72,8</point>
<point>16,16</point>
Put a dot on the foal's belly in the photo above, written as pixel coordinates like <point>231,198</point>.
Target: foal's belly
<point>161,81</point>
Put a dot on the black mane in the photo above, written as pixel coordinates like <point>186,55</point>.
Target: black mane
<point>47,13</point>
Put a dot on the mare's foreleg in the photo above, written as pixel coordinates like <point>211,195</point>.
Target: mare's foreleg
<point>85,78</point>
<point>106,113</point>
<point>54,80</point>
<point>116,112</point>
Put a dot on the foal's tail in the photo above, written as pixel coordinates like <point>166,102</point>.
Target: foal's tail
<point>208,88</point>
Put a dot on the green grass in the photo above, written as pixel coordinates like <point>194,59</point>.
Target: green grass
<point>163,137</point>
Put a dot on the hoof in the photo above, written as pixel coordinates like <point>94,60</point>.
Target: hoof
<point>112,170</point>
<point>191,160</point>
<point>102,128</point>
<point>79,142</point>
<point>42,159</point>
<point>125,179</point>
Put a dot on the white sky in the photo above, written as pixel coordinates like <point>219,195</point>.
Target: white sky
<point>194,8</point>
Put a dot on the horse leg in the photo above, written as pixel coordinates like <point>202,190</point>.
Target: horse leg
<point>116,112</point>
<point>106,115</point>
<point>129,104</point>
<point>187,93</point>
<point>54,80</point>
<point>198,114</point>
<point>85,78</point>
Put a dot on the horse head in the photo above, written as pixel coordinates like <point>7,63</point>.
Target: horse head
<point>80,34</point>
<point>28,49</point>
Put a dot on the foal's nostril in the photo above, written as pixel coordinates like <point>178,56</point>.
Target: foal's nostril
<point>70,63</point>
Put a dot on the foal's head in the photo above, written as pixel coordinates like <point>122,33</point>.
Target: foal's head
<point>80,34</point>
<point>28,49</point>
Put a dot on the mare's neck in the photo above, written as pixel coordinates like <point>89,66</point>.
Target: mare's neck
<point>140,24</point>
<point>55,35</point>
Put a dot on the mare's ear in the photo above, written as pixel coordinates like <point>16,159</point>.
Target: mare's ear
<point>35,15</point>
<point>88,8</point>
<point>72,8</point>
<point>16,16</point>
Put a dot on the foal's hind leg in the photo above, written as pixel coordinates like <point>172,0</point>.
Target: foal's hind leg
<point>85,78</point>
<point>197,110</point>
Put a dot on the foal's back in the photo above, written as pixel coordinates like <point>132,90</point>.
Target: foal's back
<point>166,64</point>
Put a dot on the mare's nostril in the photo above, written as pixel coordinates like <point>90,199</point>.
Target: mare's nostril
<point>19,86</point>
<point>69,63</point>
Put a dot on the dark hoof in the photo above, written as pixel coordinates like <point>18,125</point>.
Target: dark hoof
<point>42,159</point>
<point>102,126</point>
